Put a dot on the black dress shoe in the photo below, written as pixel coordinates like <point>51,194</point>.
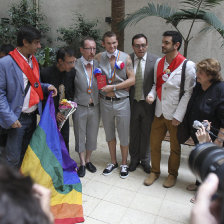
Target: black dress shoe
<point>133,166</point>
<point>146,167</point>
<point>82,171</point>
<point>90,167</point>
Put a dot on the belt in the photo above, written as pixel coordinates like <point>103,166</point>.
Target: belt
<point>28,114</point>
<point>114,98</point>
<point>89,105</point>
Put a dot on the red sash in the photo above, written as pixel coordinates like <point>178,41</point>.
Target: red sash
<point>173,65</point>
<point>33,76</point>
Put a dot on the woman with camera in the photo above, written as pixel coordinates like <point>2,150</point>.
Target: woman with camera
<point>207,102</point>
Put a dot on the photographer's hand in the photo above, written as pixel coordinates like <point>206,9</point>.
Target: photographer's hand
<point>206,211</point>
<point>44,195</point>
<point>202,135</point>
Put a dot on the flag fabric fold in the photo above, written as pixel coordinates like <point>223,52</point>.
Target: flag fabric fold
<point>48,162</point>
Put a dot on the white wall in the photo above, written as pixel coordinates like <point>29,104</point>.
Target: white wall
<point>60,13</point>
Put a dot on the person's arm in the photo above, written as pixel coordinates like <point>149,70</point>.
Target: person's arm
<point>7,116</point>
<point>130,81</point>
<point>152,94</point>
<point>205,210</point>
<point>219,141</point>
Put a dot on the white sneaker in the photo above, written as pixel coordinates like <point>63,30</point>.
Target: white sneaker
<point>124,171</point>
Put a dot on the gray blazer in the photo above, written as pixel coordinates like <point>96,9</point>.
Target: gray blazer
<point>81,96</point>
<point>148,75</point>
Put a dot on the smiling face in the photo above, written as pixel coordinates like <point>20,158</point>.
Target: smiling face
<point>140,47</point>
<point>110,44</point>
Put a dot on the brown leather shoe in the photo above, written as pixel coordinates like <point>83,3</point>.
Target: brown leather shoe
<point>170,181</point>
<point>151,179</point>
<point>192,187</point>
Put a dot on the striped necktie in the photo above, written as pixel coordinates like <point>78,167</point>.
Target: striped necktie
<point>138,81</point>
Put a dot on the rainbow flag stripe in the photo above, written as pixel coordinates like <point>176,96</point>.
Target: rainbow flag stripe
<point>48,162</point>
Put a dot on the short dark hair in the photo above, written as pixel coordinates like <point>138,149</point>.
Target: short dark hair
<point>6,48</point>
<point>109,34</point>
<point>137,36</point>
<point>176,37</point>
<point>17,201</point>
<point>82,43</point>
<point>29,33</point>
<point>62,52</point>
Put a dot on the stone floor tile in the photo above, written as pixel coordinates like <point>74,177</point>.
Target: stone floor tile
<point>134,216</point>
<point>146,203</point>
<point>120,196</point>
<point>108,212</point>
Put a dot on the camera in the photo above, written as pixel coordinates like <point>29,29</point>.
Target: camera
<point>198,124</point>
<point>206,158</point>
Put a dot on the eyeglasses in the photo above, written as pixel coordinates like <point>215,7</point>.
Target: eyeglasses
<point>140,46</point>
<point>90,49</point>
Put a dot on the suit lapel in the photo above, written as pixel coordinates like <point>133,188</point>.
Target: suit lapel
<point>175,71</point>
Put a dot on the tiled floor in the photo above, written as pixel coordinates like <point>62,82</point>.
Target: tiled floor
<point>110,199</point>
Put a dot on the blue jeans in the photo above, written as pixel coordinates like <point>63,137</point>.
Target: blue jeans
<point>18,140</point>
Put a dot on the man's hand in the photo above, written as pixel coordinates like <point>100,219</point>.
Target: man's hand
<point>60,117</point>
<point>44,195</point>
<point>16,124</point>
<point>149,99</point>
<point>52,88</point>
<point>108,88</point>
<point>175,122</point>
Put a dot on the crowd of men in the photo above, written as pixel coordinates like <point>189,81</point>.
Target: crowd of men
<point>140,100</point>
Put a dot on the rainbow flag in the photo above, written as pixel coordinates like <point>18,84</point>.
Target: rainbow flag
<point>48,162</point>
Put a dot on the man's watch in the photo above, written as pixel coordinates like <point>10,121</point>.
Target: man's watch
<point>114,89</point>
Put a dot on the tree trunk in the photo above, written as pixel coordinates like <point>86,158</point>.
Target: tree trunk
<point>118,14</point>
<point>185,48</point>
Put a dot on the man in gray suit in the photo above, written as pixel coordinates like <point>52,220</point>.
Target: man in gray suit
<point>86,117</point>
<point>142,113</point>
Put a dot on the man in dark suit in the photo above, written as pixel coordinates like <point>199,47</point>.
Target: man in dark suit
<point>62,76</point>
<point>141,112</point>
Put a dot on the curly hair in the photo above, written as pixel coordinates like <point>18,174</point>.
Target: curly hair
<point>211,67</point>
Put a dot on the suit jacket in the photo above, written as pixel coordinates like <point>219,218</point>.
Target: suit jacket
<point>170,106</point>
<point>81,95</point>
<point>53,76</point>
<point>148,75</point>
<point>12,92</point>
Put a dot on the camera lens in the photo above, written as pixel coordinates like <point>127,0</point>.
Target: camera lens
<point>206,158</point>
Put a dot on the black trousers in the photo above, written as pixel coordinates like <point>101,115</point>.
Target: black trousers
<point>140,126</point>
<point>65,133</point>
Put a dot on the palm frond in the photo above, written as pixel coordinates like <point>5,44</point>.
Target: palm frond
<point>204,4</point>
<point>160,10</point>
<point>184,15</point>
<point>214,23</point>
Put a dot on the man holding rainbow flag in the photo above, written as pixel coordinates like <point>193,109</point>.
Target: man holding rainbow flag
<point>21,93</point>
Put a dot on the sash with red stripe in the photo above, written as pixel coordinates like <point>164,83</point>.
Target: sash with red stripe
<point>33,76</point>
<point>160,71</point>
